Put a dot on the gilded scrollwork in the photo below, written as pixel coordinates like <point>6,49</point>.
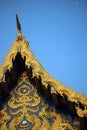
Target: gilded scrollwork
<point>26,110</point>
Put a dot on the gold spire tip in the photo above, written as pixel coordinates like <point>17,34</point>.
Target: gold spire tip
<point>18,23</point>
<point>18,26</point>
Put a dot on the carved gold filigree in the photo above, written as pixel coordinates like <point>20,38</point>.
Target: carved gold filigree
<point>27,110</point>
<point>81,113</point>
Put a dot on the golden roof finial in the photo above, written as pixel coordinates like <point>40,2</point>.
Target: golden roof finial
<point>18,26</point>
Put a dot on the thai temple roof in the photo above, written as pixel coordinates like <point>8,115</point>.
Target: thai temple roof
<point>63,97</point>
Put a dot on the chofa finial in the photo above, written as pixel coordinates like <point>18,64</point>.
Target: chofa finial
<point>18,26</point>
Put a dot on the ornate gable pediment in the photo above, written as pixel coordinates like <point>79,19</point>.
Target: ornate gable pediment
<point>21,71</point>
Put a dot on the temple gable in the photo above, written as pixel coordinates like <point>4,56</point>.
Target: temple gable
<point>31,99</point>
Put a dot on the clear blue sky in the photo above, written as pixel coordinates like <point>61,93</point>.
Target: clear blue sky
<point>57,31</point>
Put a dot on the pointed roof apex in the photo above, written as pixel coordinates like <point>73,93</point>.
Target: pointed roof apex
<point>18,26</point>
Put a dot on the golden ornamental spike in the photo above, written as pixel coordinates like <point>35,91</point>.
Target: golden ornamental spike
<point>18,26</point>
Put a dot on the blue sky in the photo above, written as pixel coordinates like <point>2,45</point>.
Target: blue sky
<point>57,31</point>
